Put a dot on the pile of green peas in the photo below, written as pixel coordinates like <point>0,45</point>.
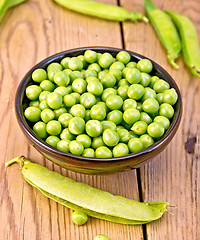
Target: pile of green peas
<point>97,105</point>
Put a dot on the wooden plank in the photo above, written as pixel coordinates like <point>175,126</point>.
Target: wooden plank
<point>173,175</point>
<point>28,34</point>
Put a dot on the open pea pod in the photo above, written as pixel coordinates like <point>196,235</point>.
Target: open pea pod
<point>92,201</point>
<point>190,42</point>
<point>165,30</point>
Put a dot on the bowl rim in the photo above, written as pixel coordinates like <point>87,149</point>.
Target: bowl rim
<point>74,51</point>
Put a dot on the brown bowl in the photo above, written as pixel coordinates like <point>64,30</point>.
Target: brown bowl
<point>95,165</point>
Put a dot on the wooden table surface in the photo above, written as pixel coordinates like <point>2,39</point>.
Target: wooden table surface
<point>37,29</point>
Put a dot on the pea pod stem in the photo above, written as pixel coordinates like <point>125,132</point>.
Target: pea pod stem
<point>101,10</point>
<point>82,197</point>
<point>4,5</point>
<point>165,30</point>
<point>190,43</point>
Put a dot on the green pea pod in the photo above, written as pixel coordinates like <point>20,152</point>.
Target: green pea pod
<point>101,10</point>
<point>92,201</point>
<point>190,43</point>
<point>4,5</point>
<point>165,30</point>
<point>14,3</point>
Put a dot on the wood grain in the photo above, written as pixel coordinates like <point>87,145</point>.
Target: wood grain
<point>172,176</point>
<point>28,34</point>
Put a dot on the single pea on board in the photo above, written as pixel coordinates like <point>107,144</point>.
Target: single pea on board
<point>101,237</point>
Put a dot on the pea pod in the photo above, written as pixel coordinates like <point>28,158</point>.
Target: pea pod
<point>190,43</point>
<point>92,201</point>
<point>14,3</point>
<point>165,30</point>
<point>101,10</point>
<point>4,5</point>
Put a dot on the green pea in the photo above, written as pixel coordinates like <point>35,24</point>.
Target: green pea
<point>39,75</point>
<point>43,105</point>
<point>117,65</point>
<point>150,105</point>
<point>79,218</point>
<point>95,66</point>
<point>103,152</point>
<point>110,137</point>
<point>90,73</point>
<point>93,128</point>
<point>133,135</point>
<point>43,95</point>
<point>123,57</point>
<point>131,115</point>
<point>88,152</point>
<point>120,150</point>
<point>106,60</point>
<point>59,112</point>
<point>90,56</point>
<point>133,76</point>
<point>63,145</point>
<point>75,63</point>
<point>115,116</point>
<point>170,96</point>
<point>64,119</point>
<point>135,145</point>
<point>153,80</point>
<point>97,142</point>
<point>123,82</point>
<point>84,139</point>
<point>129,103</point>
<point>78,110</point>
<point>139,127</point>
<point>87,115</point>
<point>147,140</point>
<point>34,103</point>
<point>145,117</point>
<point>114,102</point>
<point>79,85</point>
<point>75,74</point>
<point>98,112</point>
<point>95,87</point>
<point>155,129</point>
<point>166,110</point>
<point>108,92</point>
<point>47,85</point>
<point>40,129</point>
<point>47,115</point>
<point>87,100</point>
<point>63,90</point>
<point>146,79</point>
<point>51,73</point>
<point>69,100</point>
<point>54,100</point>
<point>145,65</point>
<point>124,135</point>
<point>108,124</point>
<point>32,114</point>
<point>160,86</point>
<point>54,66</point>
<point>54,127</point>
<point>76,148</point>
<point>77,96</point>
<point>148,93</point>
<point>135,91</point>
<point>33,92</point>
<point>85,64</point>
<point>64,62</point>
<point>108,80</point>
<point>67,135</point>
<point>61,79</point>
<point>76,125</point>
<point>159,98</point>
<point>122,91</point>
<point>131,65</point>
<point>163,120</point>
<point>52,141</point>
